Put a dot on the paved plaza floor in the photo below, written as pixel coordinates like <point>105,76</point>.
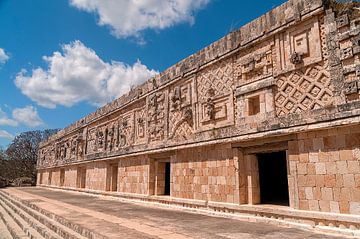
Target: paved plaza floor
<point>117,219</point>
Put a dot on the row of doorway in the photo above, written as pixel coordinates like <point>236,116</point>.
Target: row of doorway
<point>272,168</point>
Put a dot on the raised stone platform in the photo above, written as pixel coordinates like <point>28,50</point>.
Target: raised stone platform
<point>45,213</point>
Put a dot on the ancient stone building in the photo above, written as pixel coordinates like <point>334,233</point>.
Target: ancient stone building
<point>269,114</point>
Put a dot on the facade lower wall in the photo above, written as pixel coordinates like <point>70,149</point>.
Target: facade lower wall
<point>326,167</point>
<point>45,177</point>
<point>96,176</point>
<point>133,175</point>
<point>55,177</point>
<point>206,173</point>
<point>70,177</point>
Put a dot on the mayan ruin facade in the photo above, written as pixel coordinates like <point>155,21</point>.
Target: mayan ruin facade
<point>269,114</point>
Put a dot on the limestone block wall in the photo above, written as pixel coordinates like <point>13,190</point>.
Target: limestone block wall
<point>55,177</point>
<point>70,176</point>
<point>45,178</point>
<point>133,175</point>
<point>96,176</point>
<point>326,165</point>
<point>205,173</point>
<point>39,178</point>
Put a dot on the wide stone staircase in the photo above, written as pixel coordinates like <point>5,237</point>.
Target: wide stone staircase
<point>21,219</point>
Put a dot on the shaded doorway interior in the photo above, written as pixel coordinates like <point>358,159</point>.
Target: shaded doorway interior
<point>167,179</point>
<point>49,177</point>
<point>273,178</point>
<point>163,175</point>
<point>62,177</point>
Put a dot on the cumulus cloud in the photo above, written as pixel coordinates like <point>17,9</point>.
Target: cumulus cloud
<point>5,120</point>
<point>129,18</point>
<point>27,116</point>
<point>6,135</point>
<point>79,74</point>
<point>3,56</point>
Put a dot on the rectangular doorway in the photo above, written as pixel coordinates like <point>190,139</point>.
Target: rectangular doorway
<point>163,176</point>
<point>273,178</point>
<point>81,177</point>
<point>167,179</point>
<point>41,178</point>
<point>62,177</point>
<point>113,177</point>
<point>49,177</point>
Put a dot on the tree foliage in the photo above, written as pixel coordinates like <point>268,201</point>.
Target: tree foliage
<point>19,159</point>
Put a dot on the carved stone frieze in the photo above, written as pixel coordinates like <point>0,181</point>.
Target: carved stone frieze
<point>299,46</point>
<point>156,119</point>
<point>140,126</point>
<point>91,146</point>
<point>303,90</point>
<point>256,63</point>
<point>181,120</point>
<point>126,130</point>
<point>215,95</point>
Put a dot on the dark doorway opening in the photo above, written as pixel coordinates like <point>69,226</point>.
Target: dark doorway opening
<point>114,177</point>
<point>273,178</point>
<point>167,179</point>
<point>62,177</point>
<point>50,178</point>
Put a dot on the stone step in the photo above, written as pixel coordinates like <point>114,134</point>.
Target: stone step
<point>17,226</point>
<point>46,226</point>
<point>33,223</point>
<point>11,230</point>
<point>62,226</point>
<point>4,232</point>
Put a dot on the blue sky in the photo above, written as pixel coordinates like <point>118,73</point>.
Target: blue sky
<point>61,59</point>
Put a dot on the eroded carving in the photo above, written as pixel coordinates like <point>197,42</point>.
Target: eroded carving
<point>256,64</point>
<point>156,116</point>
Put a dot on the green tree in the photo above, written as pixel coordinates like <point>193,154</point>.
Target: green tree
<point>19,159</point>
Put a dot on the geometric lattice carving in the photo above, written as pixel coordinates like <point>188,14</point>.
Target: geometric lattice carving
<point>183,132</point>
<point>302,91</point>
<point>218,77</point>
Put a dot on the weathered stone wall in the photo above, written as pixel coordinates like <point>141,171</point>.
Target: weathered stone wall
<point>134,175</point>
<point>70,177</point>
<point>207,173</point>
<point>96,176</point>
<point>55,177</point>
<point>326,165</point>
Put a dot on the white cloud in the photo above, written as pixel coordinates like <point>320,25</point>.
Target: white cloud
<point>129,18</point>
<point>6,135</point>
<point>4,120</point>
<point>3,56</point>
<point>27,116</point>
<point>78,74</point>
